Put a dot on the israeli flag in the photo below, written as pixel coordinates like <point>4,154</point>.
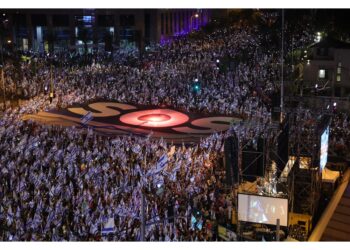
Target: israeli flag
<point>177,166</point>
<point>136,149</point>
<point>86,118</point>
<point>33,145</point>
<point>108,227</point>
<point>73,155</point>
<point>161,164</point>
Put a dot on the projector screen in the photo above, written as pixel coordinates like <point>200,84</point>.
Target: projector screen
<point>262,209</point>
<point>324,148</point>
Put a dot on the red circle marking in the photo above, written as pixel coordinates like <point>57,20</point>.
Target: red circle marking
<point>160,118</point>
<point>155,118</point>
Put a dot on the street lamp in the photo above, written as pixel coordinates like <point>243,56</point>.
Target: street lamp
<point>51,96</point>
<point>318,37</point>
<point>191,20</point>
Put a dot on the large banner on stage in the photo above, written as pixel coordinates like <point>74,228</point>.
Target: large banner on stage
<point>119,118</point>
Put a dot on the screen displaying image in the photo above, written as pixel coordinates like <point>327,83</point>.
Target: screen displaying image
<point>261,209</point>
<point>324,148</point>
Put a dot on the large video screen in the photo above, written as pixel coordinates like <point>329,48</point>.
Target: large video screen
<point>324,148</point>
<point>262,209</point>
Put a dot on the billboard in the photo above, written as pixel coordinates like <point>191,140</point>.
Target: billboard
<point>324,148</point>
<point>262,209</point>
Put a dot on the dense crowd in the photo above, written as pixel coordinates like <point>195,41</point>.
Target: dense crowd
<point>167,76</point>
<point>340,135</point>
<point>66,183</point>
<point>60,184</point>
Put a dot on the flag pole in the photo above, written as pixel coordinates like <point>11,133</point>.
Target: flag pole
<point>143,223</point>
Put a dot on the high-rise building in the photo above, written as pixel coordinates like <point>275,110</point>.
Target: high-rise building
<point>44,30</point>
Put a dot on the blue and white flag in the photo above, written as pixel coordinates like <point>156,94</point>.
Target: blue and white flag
<point>161,164</point>
<point>136,149</point>
<point>108,227</point>
<point>73,155</point>
<point>33,145</point>
<point>86,118</point>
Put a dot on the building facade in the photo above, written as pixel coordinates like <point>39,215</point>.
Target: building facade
<point>327,68</point>
<point>44,30</point>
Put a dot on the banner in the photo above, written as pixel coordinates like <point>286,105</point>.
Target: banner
<point>86,118</point>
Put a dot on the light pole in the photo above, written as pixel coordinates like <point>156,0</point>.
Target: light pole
<point>51,84</point>
<point>191,20</point>
<point>282,83</point>
<point>2,73</point>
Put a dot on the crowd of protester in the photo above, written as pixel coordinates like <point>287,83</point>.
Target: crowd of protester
<point>167,76</point>
<point>63,184</point>
<point>340,135</point>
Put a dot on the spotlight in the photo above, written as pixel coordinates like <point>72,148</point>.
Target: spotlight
<point>217,60</point>
<point>196,80</point>
<point>334,104</point>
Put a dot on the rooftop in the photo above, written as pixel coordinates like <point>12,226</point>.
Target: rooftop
<point>330,42</point>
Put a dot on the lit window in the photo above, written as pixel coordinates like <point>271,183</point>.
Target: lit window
<point>338,78</point>
<point>322,73</point>
<point>87,19</point>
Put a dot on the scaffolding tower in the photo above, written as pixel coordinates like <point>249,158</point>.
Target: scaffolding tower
<point>306,177</point>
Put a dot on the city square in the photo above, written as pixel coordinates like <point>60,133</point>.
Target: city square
<point>174,125</point>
